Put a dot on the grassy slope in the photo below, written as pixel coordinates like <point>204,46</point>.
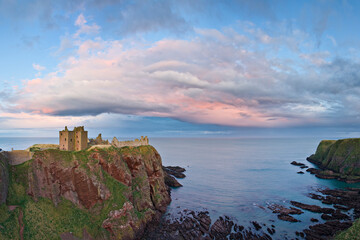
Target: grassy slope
<point>44,220</point>
<point>342,156</point>
<point>353,233</point>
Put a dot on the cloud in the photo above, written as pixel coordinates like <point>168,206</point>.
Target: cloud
<point>332,39</point>
<point>216,77</point>
<point>85,28</point>
<point>38,67</point>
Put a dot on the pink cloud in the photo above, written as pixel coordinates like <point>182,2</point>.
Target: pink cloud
<point>207,79</point>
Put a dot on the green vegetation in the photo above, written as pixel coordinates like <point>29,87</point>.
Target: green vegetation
<point>44,220</point>
<point>341,156</point>
<point>9,223</point>
<point>352,233</point>
<point>18,183</point>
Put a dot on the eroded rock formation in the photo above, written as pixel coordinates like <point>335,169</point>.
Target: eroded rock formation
<point>112,193</point>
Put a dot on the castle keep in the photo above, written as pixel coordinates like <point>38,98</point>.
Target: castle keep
<point>75,140</point>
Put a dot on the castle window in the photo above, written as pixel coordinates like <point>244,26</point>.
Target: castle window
<point>65,139</point>
<point>70,139</point>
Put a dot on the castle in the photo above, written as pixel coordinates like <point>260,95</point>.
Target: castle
<point>75,140</point>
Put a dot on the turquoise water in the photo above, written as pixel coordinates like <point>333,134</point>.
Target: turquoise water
<point>235,177</point>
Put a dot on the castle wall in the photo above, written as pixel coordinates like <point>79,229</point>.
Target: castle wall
<point>143,141</point>
<point>73,140</point>
<point>17,157</point>
<point>81,139</point>
<point>67,140</point>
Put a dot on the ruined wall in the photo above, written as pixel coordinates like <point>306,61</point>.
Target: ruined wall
<point>142,142</point>
<point>67,140</point>
<point>16,157</point>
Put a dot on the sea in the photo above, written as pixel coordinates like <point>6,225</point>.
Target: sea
<point>235,177</point>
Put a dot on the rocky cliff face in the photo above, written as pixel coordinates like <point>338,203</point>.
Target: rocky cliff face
<point>339,159</point>
<point>4,179</point>
<point>109,193</point>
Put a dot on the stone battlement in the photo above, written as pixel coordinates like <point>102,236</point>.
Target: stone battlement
<point>135,143</point>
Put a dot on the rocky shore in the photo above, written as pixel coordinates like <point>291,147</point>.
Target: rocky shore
<point>193,225</point>
<point>343,208</point>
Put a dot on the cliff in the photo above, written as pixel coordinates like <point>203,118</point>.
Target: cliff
<point>338,159</point>
<point>112,193</point>
<point>4,179</point>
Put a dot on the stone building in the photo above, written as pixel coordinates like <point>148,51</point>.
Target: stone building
<point>75,140</point>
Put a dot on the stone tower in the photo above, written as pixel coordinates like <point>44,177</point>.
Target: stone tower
<point>75,140</point>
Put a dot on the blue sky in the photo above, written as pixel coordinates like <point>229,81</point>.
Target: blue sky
<point>180,68</point>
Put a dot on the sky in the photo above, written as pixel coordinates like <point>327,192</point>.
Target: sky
<point>180,68</point>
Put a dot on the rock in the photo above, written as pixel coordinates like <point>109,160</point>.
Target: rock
<point>271,231</point>
<point>95,182</point>
<point>176,168</point>
<point>312,208</point>
<point>171,181</point>
<point>4,178</point>
<point>297,163</point>
<point>314,220</point>
<point>256,225</point>
<point>287,217</point>
<point>174,171</point>
<point>221,228</point>
<point>283,210</point>
<point>313,170</point>
<point>197,225</point>
<point>300,172</point>
<point>340,207</point>
<point>326,230</point>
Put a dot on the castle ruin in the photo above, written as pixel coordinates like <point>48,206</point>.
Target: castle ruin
<point>143,141</point>
<point>75,140</point>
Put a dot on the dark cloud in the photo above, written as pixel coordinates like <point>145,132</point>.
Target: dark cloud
<point>30,41</point>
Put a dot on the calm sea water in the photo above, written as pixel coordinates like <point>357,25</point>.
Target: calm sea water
<point>235,177</point>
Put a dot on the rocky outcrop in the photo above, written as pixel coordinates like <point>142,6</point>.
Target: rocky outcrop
<point>338,159</point>
<point>4,178</point>
<point>170,174</point>
<point>193,225</point>
<point>114,193</point>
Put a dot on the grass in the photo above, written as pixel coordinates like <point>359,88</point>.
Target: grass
<point>9,223</point>
<point>351,233</point>
<point>341,156</point>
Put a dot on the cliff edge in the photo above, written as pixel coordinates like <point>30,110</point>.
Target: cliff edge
<point>337,159</point>
<point>113,193</point>
<point>4,178</point>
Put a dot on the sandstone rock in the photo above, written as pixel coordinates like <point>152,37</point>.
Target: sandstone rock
<point>98,180</point>
<point>50,179</point>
